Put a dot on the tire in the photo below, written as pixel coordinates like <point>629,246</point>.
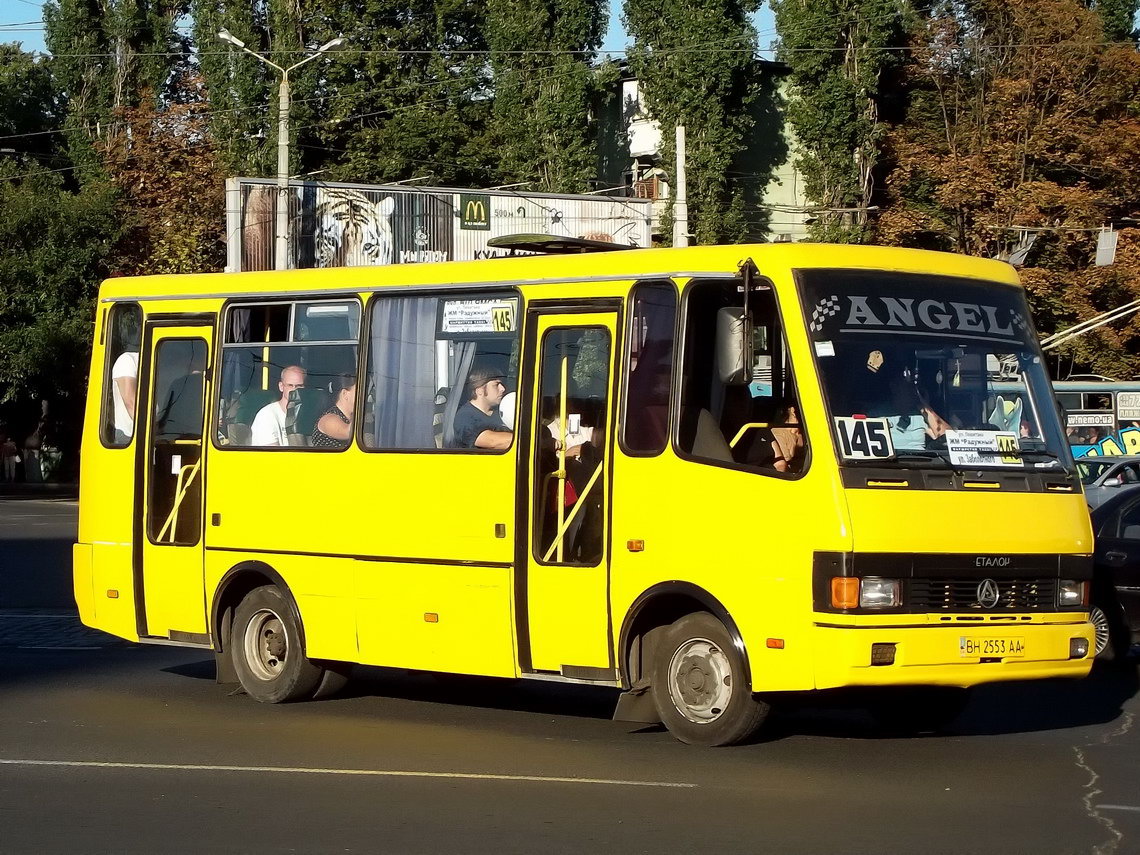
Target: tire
<point>912,710</point>
<point>699,684</point>
<point>1112,638</point>
<point>267,652</point>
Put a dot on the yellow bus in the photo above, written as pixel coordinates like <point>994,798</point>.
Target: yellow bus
<point>704,475</point>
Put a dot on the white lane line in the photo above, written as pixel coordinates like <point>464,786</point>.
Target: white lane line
<point>1119,807</point>
<point>375,773</point>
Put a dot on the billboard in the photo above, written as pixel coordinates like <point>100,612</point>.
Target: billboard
<point>349,225</point>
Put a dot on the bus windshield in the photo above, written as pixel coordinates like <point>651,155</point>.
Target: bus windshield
<point>931,371</point>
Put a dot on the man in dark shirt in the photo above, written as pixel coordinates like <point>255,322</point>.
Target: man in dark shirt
<point>477,423</point>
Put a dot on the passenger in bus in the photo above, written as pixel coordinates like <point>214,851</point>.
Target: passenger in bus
<point>789,440</point>
<point>269,425</point>
<point>180,415</point>
<point>124,376</point>
<point>334,427</point>
<point>477,423</point>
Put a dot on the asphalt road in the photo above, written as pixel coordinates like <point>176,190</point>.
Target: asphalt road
<point>107,746</point>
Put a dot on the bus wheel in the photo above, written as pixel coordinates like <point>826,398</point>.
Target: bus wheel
<point>699,684</point>
<point>912,710</point>
<point>266,645</point>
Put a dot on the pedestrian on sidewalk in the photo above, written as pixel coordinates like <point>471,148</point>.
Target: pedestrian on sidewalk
<point>9,456</point>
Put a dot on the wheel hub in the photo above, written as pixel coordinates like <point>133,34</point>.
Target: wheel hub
<point>701,680</point>
<point>266,645</point>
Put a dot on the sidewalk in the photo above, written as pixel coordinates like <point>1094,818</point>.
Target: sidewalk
<point>40,490</point>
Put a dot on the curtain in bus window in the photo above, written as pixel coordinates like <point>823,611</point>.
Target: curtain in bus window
<point>403,370</point>
<point>464,356</point>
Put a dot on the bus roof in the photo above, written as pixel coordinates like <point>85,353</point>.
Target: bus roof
<point>539,269</point>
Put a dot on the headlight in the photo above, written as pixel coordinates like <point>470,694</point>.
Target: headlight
<point>1072,593</point>
<point>880,593</point>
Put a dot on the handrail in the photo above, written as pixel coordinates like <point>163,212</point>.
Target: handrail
<point>562,427</point>
<point>179,494</point>
<point>744,428</point>
<point>563,526</point>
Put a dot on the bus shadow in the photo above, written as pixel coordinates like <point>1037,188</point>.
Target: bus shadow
<point>994,709</point>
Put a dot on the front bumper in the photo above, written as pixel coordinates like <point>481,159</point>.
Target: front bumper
<point>932,654</point>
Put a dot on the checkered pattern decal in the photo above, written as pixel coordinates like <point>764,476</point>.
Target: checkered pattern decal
<point>826,308</point>
<point>1020,321</point>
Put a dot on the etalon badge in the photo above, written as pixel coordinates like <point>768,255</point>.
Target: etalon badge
<point>988,594</point>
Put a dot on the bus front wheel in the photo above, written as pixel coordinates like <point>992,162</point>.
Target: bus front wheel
<point>267,652</point>
<point>699,685</point>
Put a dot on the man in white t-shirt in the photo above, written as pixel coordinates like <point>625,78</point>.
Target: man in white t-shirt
<point>124,392</point>
<point>268,426</point>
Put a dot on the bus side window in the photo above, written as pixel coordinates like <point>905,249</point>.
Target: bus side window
<point>645,421</point>
<point>285,366</point>
<point>422,352</point>
<point>750,420</point>
<point>120,376</point>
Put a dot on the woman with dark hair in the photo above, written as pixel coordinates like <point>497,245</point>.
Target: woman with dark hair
<point>334,427</point>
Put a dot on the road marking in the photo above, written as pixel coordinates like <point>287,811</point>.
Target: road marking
<point>375,773</point>
<point>1119,807</point>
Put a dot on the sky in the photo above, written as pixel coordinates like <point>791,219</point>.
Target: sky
<point>22,21</point>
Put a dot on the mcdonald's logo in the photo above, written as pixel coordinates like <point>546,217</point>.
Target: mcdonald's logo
<point>474,211</point>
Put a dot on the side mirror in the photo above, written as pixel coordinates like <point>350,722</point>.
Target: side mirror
<point>1111,482</point>
<point>733,346</point>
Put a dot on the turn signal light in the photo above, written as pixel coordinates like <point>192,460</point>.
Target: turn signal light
<point>844,592</point>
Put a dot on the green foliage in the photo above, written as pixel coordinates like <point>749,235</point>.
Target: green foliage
<point>1118,17</point>
<point>841,72</point>
<point>695,66</point>
<point>541,126</point>
<point>56,243</point>
<point>383,116</point>
<point>106,53</point>
<point>27,100</point>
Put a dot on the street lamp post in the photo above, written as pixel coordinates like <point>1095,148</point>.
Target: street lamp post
<point>281,250</point>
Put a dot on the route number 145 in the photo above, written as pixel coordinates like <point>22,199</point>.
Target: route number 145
<point>864,439</point>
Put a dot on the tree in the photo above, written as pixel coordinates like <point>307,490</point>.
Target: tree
<point>406,97</point>
<point>695,64</point>
<point>842,64</point>
<point>171,186</point>
<point>56,244</point>
<point>28,112</point>
<point>541,56</point>
<point>1021,125</point>
<point>106,53</point>
<point>242,91</point>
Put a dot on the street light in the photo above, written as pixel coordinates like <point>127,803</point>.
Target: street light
<point>282,228</point>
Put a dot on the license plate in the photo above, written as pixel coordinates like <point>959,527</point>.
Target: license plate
<point>982,646</point>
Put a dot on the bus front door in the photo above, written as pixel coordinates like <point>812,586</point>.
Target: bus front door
<point>169,533</point>
<point>571,441</point>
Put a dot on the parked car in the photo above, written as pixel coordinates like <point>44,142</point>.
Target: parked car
<point>1116,575</point>
<point>1106,476</point>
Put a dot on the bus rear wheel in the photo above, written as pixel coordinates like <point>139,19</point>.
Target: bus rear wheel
<point>699,684</point>
<point>267,651</point>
